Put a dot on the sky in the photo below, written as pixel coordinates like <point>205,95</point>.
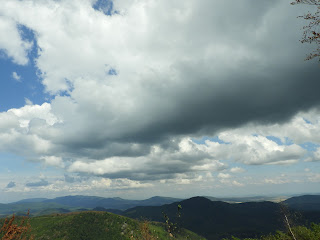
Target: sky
<point>138,98</point>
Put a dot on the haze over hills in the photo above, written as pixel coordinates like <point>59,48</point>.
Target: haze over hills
<point>112,203</point>
<point>116,204</point>
<point>41,206</point>
<point>248,199</point>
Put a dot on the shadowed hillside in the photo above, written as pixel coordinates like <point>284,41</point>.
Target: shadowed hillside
<point>306,202</point>
<point>216,220</point>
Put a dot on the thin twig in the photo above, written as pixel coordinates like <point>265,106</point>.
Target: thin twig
<point>289,227</point>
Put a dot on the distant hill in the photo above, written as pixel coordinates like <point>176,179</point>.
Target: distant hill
<point>109,203</point>
<point>35,208</point>
<point>158,201</point>
<point>102,209</point>
<point>32,200</point>
<point>40,206</point>
<point>48,211</point>
<point>306,202</point>
<point>99,226</point>
<point>88,201</point>
<point>216,219</point>
<point>246,199</point>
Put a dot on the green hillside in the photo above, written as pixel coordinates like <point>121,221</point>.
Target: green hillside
<point>98,225</point>
<point>298,233</point>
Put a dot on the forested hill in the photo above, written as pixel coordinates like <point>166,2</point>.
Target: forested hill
<point>41,206</point>
<point>216,219</point>
<point>114,203</point>
<point>306,202</point>
<point>91,225</point>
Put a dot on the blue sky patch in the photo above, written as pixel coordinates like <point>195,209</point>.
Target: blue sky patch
<point>112,71</point>
<point>104,6</point>
<point>212,139</point>
<point>309,146</point>
<point>275,139</point>
<point>307,121</point>
<point>21,82</point>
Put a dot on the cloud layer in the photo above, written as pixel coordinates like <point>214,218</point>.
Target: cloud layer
<point>132,89</point>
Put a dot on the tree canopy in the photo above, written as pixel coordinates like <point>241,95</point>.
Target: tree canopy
<point>311,32</point>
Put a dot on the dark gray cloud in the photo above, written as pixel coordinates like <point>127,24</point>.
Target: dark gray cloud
<point>69,179</point>
<point>242,96</point>
<point>11,185</point>
<point>206,106</point>
<point>40,183</point>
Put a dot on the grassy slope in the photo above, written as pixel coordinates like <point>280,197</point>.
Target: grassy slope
<point>299,232</point>
<point>96,226</point>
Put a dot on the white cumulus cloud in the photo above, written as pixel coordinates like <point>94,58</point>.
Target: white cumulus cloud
<point>12,44</point>
<point>16,76</point>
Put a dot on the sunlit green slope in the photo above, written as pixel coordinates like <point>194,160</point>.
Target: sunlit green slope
<point>99,225</point>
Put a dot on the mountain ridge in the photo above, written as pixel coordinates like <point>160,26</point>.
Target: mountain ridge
<point>304,202</point>
<point>218,219</point>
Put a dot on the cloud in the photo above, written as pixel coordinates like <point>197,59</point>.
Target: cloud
<point>12,44</point>
<point>187,73</point>
<point>69,179</point>
<point>314,177</point>
<point>277,180</point>
<point>224,175</point>
<point>16,77</point>
<point>236,183</point>
<point>160,163</point>
<point>28,101</point>
<point>227,180</point>
<point>120,183</point>
<point>256,150</point>
<point>237,170</point>
<point>149,91</point>
<point>11,185</point>
<point>315,156</point>
<point>41,183</point>
<point>25,131</point>
<point>52,161</point>
<point>186,179</point>
<point>303,127</point>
